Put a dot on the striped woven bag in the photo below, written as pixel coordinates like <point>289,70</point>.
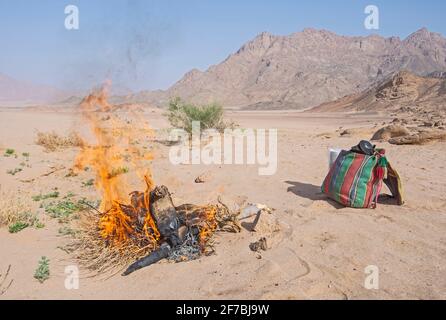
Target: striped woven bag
<point>355,179</point>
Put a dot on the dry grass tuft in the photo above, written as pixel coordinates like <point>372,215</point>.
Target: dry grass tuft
<point>52,141</point>
<point>98,255</point>
<point>13,209</point>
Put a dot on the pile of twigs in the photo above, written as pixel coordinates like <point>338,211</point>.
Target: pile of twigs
<point>99,255</point>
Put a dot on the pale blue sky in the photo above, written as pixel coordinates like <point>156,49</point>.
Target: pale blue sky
<point>150,44</point>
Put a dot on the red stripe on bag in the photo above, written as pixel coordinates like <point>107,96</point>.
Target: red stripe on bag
<point>370,186</point>
<point>327,180</point>
<point>349,178</point>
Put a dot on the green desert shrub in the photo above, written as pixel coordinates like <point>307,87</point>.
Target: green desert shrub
<point>181,115</point>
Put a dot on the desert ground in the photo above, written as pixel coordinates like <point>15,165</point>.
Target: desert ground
<point>317,249</point>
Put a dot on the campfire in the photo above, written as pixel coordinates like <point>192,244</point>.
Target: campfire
<point>144,226</point>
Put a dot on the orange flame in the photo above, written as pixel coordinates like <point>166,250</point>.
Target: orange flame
<point>114,154</point>
<point>208,226</point>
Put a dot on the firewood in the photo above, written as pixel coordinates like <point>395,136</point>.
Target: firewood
<point>159,254</point>
<point>166,218</point>
<point>165,215</point>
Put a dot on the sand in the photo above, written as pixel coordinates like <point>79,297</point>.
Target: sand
<point>320,251</point>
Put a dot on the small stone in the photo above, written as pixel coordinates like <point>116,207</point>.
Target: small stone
<point>202,178</point>
<point>259,245</point>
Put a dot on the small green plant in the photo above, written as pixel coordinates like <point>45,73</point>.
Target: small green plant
<point>25,220</point>
<point>40,197</point>
<point>35,222</point>
<point>42,272</point>
<point>39,225</point>
<point>9,152</point>
<point>26,154</point>
<point>88,183</point>
<point>118,171</point>
<point>181,115</point>
<point>62,210</point>
<point>14,172</point>
<point>69,195</point>
<point>18,226</point>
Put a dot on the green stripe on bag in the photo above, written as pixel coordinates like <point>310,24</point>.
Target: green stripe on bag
<point>364,178</point>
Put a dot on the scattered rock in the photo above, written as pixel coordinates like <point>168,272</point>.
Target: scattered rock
<point>420,138</point>
<point>391,131</point>
<point>261,244</point>
<point>253,209</point>
<point>262,224</point>
<point>202,178</point>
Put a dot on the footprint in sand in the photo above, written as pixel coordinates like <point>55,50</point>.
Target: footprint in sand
<point>284,265</point>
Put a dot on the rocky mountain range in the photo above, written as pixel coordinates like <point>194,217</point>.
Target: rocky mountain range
<point>297,71</point>
<point>305,69</point>
<point>402,92</point>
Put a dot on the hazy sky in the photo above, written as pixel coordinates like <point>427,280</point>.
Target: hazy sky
<point>150,44</point>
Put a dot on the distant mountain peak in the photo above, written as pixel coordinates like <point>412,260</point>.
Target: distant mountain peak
<point>308,68</point>
<point>261,41</point>
<point>421,34</point>
<point>314,31</point>
<point>422,31</point>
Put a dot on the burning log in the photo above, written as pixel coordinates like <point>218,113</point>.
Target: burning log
<point>159,254</point>
<point>184,230</point>
<point>170,227</point>
<point>165,215</point>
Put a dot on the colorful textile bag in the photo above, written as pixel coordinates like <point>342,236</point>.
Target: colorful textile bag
<point>355,179</point>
